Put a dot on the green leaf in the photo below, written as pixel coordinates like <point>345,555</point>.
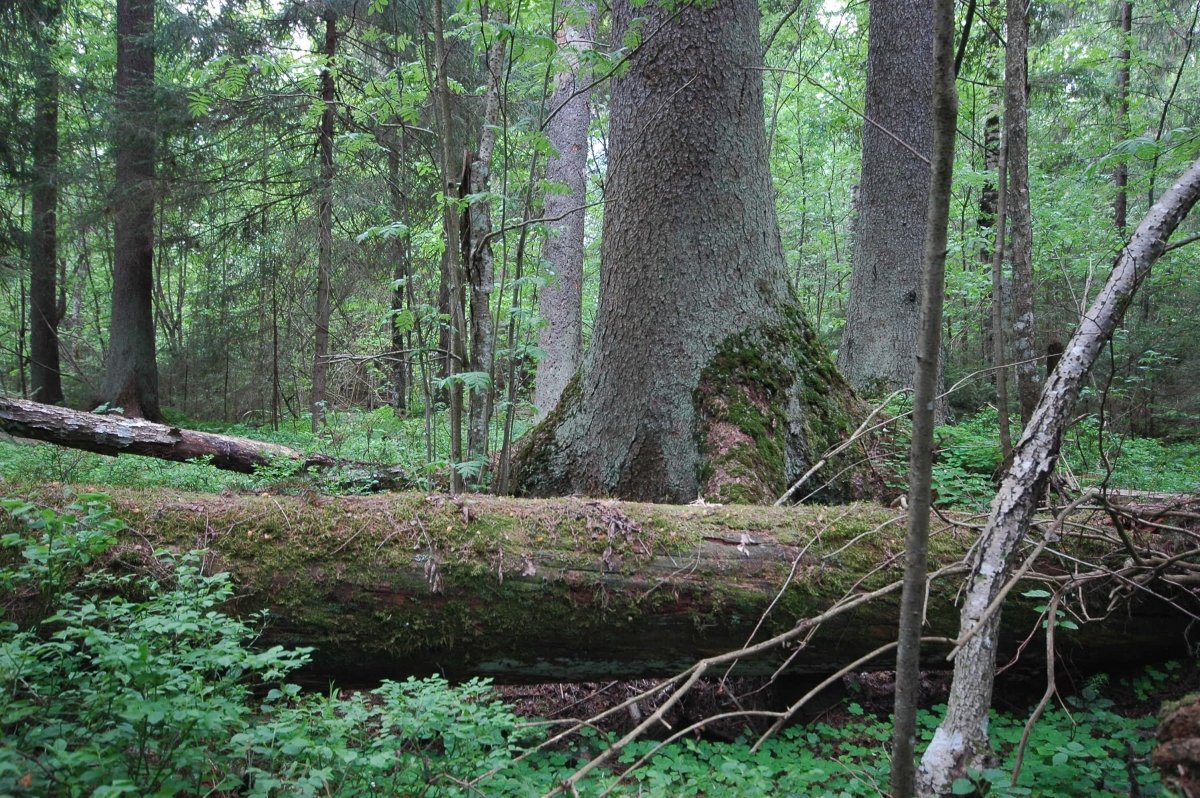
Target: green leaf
<point>962,787</point>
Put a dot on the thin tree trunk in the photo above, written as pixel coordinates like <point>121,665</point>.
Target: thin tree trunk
<point>1016,127</point>
<point>401,361</point>
<point>44,368</point>
<point>1121,177</point>
<point>999,351</point>
<point>131,379</point>
<point>961,741</point>
<point>324,226</point>
<point>480,275</point>
<point>451,253</point>
<point>561,299</point>
<point>927,373</point>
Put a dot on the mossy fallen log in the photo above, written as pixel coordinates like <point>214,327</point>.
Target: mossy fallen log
<point>573,589</point>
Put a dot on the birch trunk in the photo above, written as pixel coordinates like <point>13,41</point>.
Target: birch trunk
<point>961,741</point>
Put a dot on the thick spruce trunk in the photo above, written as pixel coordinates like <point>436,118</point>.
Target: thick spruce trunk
<point>702,376</point>
<point>131,377</point>
<point>565,589</point>
<point>879,341</point>
<point>561,299</point>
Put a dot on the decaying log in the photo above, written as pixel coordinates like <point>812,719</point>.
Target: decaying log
<point>116,435</point>
<point>1177,752</point>
<point>573,589</point>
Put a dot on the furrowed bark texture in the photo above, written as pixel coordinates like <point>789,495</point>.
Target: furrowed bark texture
<point>961,740</point>
<point>567,589</point>
<point>117,435</point>
<point>695,328</point>
<point>561,299</point>
<point>879,341</point>
<point>131,377</point>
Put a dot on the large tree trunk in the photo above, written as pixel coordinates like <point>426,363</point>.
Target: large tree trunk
<point>961,741</point>
<point>702,377</point>
<point>117,435</point>
<point>44,372</point>
<point>879,341</point>
<point>561,299</point>
<point>131,379</point>
<point>569,589</point>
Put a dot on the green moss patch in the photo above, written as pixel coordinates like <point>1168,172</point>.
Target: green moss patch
<point>770,403</point>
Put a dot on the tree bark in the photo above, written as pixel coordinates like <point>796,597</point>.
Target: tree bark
<point>44,368</point>
<point>1121,176</point>
<point>879,341</point>
<point>451,253</point>
<point>925,397</point>
<point>324,225</point>
<point>561,298</point>
<point>117,435</point>
<point>569,589</point>
<point>999,351</point>
<point>1016,136</point>
<point>961,741</point>
<point>131,378</point>
<point>478,256</point>
<point>703,376</point>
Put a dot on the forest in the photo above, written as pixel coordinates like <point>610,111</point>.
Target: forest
<point>685,397</point>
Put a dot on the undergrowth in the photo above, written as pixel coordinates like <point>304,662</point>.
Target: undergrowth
<point>116,684</point>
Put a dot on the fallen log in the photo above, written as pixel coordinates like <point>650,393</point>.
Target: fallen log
<point>572,589</point>
<point>114,435</point>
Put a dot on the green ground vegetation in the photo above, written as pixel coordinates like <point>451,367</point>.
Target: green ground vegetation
<point>121,685</point>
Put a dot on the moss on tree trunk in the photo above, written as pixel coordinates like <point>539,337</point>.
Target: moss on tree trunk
<point>768,403</point>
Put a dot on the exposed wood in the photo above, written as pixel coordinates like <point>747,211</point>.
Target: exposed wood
<point>573,589</point>
<point>117,435</point>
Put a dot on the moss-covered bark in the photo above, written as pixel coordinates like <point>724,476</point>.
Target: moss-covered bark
<point>386,586</point>
<point>768,403</point>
